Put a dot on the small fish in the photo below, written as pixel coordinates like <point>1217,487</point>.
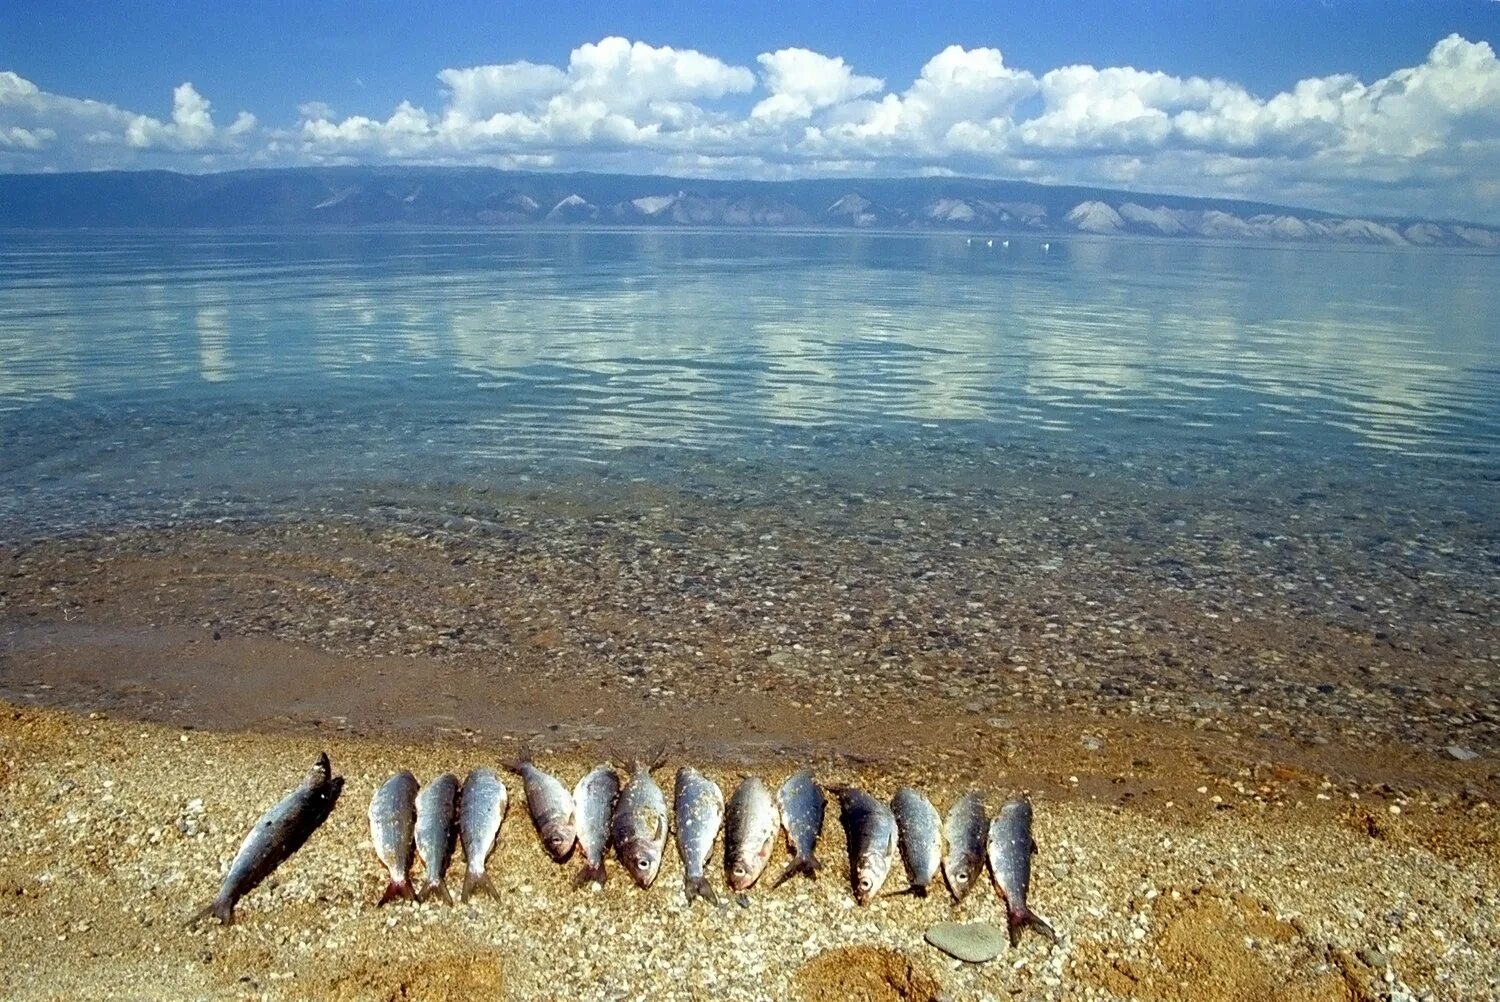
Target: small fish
<point>482,805</point>
<point>919,836</point>
<point>870,830</point>
<point>393,819</point>
<point>802,803</point>
<point>750,826</point>
<point>280,832</point>
<point>593,807</point>
<point>1010,849</point>
<point>639,826</point>
<point>551,808</point>
<point>437,832</point>
<point>964,834</point>
<point>699,804</point>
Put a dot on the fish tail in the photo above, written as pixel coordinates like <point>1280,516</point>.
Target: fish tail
<point>396,890</point>
<point>518,764</point>
<point>1018,919</point>
<point>590,874</point>
<point>434,888</point>
<point>478,882</point>
<point>801,864</point>
<point>217,908</point>
<point>699,887</point>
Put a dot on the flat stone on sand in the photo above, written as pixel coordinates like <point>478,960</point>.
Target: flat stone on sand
<point>973,942</point>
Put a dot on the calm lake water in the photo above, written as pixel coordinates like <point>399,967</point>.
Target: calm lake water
<point>144,375</point>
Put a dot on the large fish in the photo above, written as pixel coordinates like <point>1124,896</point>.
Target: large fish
<point>919,836</point>
<point>437,833</point>
<point>639,826</point>
<point>551,808</point>
<point>280,832</point>
<point>750,825</point>
<point>1010,849</point>
<point>870,829</point>
<point>699,804</point>
<point>593,807</point>
<point>802,803</point>
<point>482,804</point>
<point>964,834</point>
<point>393,819</point>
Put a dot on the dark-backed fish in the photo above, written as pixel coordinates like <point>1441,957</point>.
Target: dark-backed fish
<point>919,836</point>
<point>639,827</point>
<point>593,808</point>
<point>802,803</point>
<point>870,830</point>
<point>393,820</point>
<point>437,833</point>
<point>699,804</point>
<point>964,834</point>
<point>1010,849</point>
<point>280,832</point>
<point>482,805</point>
<point>751,822</point>
<point>550,806</point>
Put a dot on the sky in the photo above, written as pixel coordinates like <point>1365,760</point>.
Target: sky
<point>1375,108</point>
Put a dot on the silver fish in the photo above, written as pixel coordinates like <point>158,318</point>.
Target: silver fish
<point>802,803</point>
<point>699,804</point>
<point>870,829</point>
<point>750,826</point>
<point>393,819</point>
<point>280,832</point>
<point>551,808</point>
<point>437,832</point>
<point>1010,849</point>
<point>482,805</point>
<point>639,826</point>
<point>593,807</point>
<point>964,833</point>
<point>919,837</point>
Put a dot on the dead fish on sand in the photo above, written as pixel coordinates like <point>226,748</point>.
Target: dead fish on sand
<point>482,805</point>
<point>639,827</point>
<point>700,813</point>
<point>550,805</point>
<point>280,832</point>
<point>393,819</point>
<point>1010,849</point>
<point>964,833</point>
<point>750,826</point>
<point>870,830</point>
<point>593,807</point>
<point>437,833</point>
<point>802,802</point>
<point>919,836</point>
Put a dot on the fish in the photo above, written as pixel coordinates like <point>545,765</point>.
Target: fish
<point>638,828</point>
<point>802,803</point>
<point>964,834</point>
<point>482,805</point>
<point>593,807</point>
<point>919,836</point>
<point>437,832</point>
<point>700,813</point>
<point>1010,850</point>
<point>750,826</point>
<point>393,819</point>
<point>280,832</point>
<point>870,829</point>
<point>550,805</point>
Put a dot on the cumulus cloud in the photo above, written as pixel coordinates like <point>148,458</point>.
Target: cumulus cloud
<point>1421,139</point>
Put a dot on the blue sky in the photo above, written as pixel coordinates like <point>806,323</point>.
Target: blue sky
<point>1388,107</point>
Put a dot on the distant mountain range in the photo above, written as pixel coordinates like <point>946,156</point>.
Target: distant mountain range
<point>483,197</point>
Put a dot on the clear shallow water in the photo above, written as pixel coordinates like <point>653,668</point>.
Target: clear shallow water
<point>141,371</point>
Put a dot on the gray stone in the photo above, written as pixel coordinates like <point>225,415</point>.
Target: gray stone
<point>972,942</point>
<point>1461,753</point>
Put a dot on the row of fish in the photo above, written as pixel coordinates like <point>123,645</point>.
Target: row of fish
<point>631,817</point>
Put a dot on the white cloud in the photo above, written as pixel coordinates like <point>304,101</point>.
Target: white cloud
<point>1421,139</point>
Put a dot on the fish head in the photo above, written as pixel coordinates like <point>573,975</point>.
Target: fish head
<point>869,874</point>
<point>746,865</point>
<point>643,860</point>
<point>558,838</point>
<point>959,873</point>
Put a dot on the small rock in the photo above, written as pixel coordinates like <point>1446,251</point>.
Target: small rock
<point>971,942</point>
<point>1372,957</point>
<point>1461,753</point>
<point>1091,743</point>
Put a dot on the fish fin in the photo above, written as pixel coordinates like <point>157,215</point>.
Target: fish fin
<point>742,899</point>
<point>518,764</point>
<point>221,910</point>
<point>396,890</point>
<point>590,874</point>
<point>1033,847</point>
<point>478,882</point>
<point>700,887</point>
<point>1018,919</point>
<point>809,866</point>
<point>437,887</point>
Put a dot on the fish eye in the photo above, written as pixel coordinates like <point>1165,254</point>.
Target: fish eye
<point>641,863</point>
<point>864,883</point>
<point>739,870</point>
<point>962,878</point>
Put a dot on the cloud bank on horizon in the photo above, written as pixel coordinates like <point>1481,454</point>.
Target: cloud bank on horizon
<point>1423,140</point>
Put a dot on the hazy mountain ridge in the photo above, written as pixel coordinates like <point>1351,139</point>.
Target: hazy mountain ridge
<point>353,196</point>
